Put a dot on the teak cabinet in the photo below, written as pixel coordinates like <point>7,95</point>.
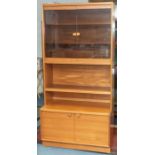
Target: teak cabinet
<point>79,128</point>
<point>78,43</point>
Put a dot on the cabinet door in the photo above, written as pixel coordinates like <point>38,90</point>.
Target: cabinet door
<point>94,33</point>
<point>60,32</point>
<point>92,130</point>
<point>57,126</point>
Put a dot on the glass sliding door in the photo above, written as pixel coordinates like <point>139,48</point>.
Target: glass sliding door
<point>84,33</point>
<point>93,33</point>
<point>60,34</point>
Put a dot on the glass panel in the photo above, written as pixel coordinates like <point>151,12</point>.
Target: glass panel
<point>94,32</point>
<point>78,33</point>
<point>60,30</point>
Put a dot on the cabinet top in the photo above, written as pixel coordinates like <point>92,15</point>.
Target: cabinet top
<point>74,6</point>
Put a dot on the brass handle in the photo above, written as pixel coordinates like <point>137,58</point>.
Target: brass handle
<point>74,34</point>
<point>78,33</point>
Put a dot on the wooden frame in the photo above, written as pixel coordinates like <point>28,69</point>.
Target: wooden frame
<point>74,6</point>
<point>51,68</point>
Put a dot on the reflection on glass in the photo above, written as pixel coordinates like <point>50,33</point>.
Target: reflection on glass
<point>78,33</point>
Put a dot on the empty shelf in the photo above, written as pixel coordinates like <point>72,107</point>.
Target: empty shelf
<point>79,89</point>
<point>76,107</point>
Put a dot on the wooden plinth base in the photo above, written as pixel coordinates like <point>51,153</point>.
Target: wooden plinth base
<point>79,147</point>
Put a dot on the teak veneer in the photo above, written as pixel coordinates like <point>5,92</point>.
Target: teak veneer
<point>78,45</point>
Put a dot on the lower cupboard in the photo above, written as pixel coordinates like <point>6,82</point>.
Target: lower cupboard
<point>75,128</point>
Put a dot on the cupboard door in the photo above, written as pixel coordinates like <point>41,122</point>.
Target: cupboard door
<point>60,32</point>
<point>93,33</point>
<point>57,126</point>
<point>92,130</point>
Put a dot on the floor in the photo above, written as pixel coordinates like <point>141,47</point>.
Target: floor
<point>42,150</point>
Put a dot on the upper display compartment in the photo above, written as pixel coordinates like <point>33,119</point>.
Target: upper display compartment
<point>84,33</point>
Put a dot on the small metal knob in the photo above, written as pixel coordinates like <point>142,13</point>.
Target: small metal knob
<point>74,34</point>
<point>78,33</point>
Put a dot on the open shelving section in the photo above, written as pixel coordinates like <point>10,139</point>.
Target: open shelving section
<point>77,60</point>
<point>76,107</point>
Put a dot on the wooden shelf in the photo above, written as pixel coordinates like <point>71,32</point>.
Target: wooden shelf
<point>82,61</point>
<point>108,101</point>
<point>80,24</point>
<point>79,89</point>
<point>72,42</point>
<point>79,53</point>
<point>76,107</point>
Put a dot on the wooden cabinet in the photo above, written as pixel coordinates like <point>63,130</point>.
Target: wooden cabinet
<point>92,130</point>
<point>78,54</point>
<point>57,126</point>
<point>87,129</point>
